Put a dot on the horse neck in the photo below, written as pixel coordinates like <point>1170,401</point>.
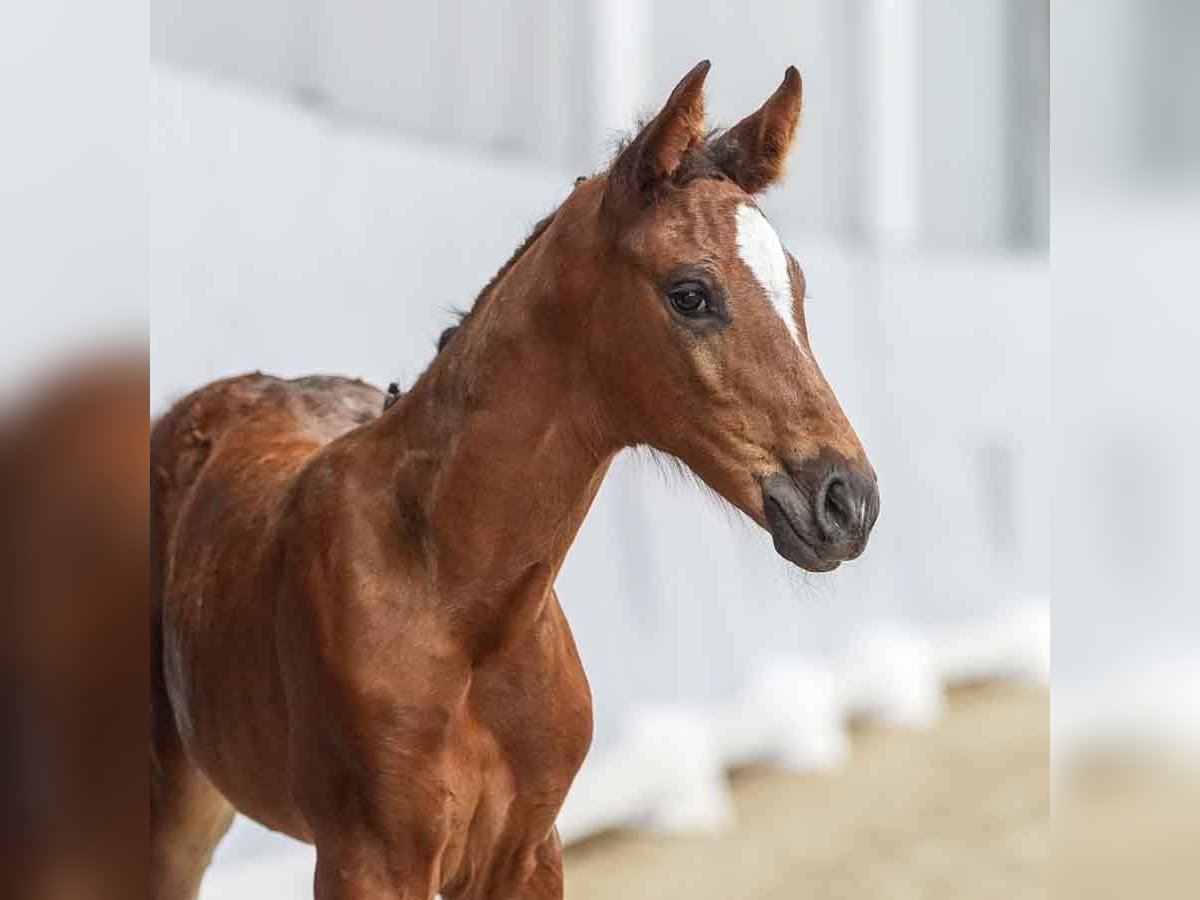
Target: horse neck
<point>501,445</point>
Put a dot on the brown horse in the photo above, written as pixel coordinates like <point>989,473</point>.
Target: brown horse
<point>361,643</point>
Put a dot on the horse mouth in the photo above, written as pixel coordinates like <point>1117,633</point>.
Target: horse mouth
<point>789,539</point>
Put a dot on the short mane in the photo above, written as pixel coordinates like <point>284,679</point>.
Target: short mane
<point>538,230</point>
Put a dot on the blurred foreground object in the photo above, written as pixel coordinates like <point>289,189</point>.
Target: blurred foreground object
<point>74,501</point>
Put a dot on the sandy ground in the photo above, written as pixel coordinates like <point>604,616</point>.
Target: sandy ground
<point>1128,829</point>
<point>961,811</point>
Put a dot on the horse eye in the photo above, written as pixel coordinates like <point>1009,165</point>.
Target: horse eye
<point>689,299</point>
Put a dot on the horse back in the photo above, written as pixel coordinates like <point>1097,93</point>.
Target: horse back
<point>261,429</point>
<point>303,413</point>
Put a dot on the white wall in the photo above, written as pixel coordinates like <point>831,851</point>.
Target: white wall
<point>554,82</point>
<point>517,83</point>
<point>287,242</point>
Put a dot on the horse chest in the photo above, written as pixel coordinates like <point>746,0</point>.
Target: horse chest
<point>539,716</point>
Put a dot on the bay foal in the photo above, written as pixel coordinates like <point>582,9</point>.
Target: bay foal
<point>361,645</point>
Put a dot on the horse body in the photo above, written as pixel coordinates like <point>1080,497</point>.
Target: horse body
<point>360,641</point>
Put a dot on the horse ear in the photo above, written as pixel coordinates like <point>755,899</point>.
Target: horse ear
<point>754,151</point>
<point>661,145</point>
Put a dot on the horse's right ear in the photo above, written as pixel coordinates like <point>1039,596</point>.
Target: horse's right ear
<point>658,149</point>
<point>753,151</point>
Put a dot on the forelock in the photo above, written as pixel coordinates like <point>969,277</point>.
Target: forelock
<point>706,160</point>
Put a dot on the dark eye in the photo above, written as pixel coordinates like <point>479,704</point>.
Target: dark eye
<point>689,299</point>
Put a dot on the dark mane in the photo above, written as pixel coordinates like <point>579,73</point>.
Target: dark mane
<point>536,233</point>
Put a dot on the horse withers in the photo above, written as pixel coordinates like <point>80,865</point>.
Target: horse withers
<point>360,643</point>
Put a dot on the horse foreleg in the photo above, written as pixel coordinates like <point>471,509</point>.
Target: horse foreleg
<point>546,882</point>
<point>357,865</point>
<point>522,876</point>
<point>375,840</point>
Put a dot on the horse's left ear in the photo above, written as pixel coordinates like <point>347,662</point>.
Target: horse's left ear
<point>754,151</point>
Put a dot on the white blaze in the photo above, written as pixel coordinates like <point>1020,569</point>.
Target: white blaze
<point>762,252</point>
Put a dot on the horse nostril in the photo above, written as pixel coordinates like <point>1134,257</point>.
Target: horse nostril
<point>836,502</point>
<point>835,511</point>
